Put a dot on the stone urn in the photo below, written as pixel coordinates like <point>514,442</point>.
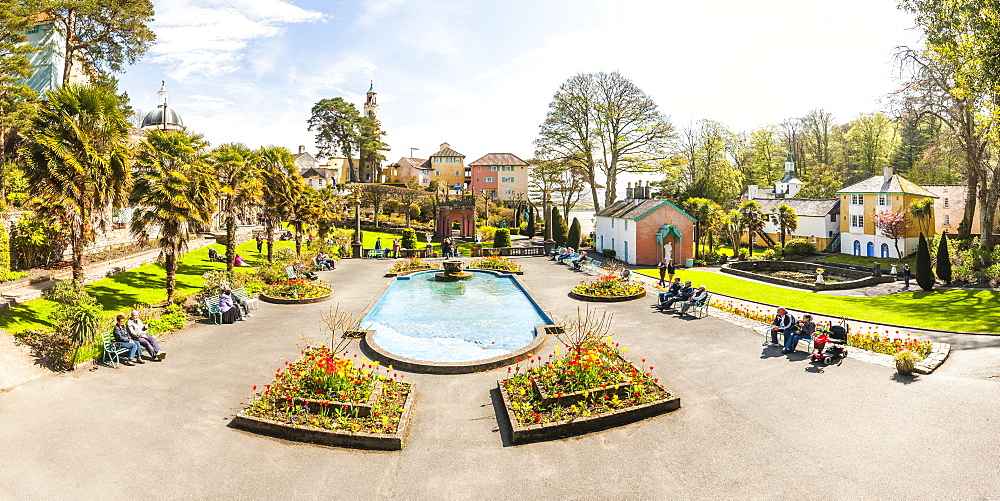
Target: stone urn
<point>452,271</point>
<point>819,275</point>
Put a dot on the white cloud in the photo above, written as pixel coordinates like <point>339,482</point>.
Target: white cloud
<point>208,36</point>
<point>374,11</point>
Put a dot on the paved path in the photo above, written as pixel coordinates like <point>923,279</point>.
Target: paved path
<point>754,423</point>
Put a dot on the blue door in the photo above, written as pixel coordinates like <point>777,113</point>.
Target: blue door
<point>857,248</point>
<point>885,250</point>
<point>870,250</point>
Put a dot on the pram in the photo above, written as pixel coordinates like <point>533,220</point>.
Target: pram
<point>830,344</point>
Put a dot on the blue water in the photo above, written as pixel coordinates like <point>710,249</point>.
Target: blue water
<point>475,319</point>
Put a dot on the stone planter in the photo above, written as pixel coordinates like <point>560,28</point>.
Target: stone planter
<point>606,299</point>
<point>307,300</point>
<point>566,399</point>
<point>363,409</point>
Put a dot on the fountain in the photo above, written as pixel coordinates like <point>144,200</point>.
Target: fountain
<point>452,272</point>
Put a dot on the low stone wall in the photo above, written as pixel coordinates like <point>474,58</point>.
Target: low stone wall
<point>855,279</point>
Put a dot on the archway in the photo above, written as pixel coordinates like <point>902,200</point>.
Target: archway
<point>870,249</point>
<point>885,251</point>
<point>857,248</point>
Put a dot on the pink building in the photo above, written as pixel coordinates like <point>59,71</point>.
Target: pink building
<point>643,230</point>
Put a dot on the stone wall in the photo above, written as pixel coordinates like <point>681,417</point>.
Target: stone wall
<point>851,279</point>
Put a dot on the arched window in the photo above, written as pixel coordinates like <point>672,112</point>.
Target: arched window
<point>857,248</point>
<point>870,249</point>
<point>885,250</point>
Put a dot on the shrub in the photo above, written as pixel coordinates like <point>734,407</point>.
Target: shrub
<point>529,228</point>
<point>906,360</point>
<point>409,239</point>
<point>924,274</point>
<point>36,241</point>
<point>4,252</point>
<point>501,238</point>
<point>799,247</point>
<point>273,272</point>
<point>488,233</point>
<point>559,228</point>
<point>573,237</point>
<point>609,253</point>
<point>285,256</point>
<point>767,255</point>
<point>943,261</point>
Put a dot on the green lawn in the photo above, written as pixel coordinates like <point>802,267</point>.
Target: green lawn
<point>144,284</point>
<point>951,310</point>
<point>886,263</point>
<point>368,240</point>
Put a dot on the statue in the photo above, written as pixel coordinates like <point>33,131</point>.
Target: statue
<point>668,251</point>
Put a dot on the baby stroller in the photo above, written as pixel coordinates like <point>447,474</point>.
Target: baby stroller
<point>830,344</point>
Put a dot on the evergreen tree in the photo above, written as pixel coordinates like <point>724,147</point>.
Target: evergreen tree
<point>501,238</point>
<point>573,237</point>
<point>409,238</point>
<point>531,223</point>
<point>943,261</point>
<point>925,275</point>
<point>559,228</point>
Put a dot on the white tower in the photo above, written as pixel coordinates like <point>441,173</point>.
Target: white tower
<point>371,106</point>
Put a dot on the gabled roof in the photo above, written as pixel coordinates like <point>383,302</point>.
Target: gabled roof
<point>308,173</point>
<point>821,207</point>
<point>789,177</point>
<point>446,151</point>
<point>638,209</point>
<point>499,159</point>
<point>416,163</point>
<point>895,185</point>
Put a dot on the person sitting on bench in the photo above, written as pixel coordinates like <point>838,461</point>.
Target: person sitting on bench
<point>580,259</point>
<point>556,252</point>
<point>683,294</point>
<point>806,328</point>
<point>784,323</point>
<point>231,307</point>
<point>139,332</point>
<point>564,255</point>
<point>672,290</point>
<point>122,337</point>
<point>697,299</point>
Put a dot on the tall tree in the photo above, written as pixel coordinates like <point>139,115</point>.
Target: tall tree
<point>787,221</point>
<point>282,186</point>
<point>175,191</point>
<point>763,166</point>
<point>106,34</point>
<point>752,220</point>
<point>307,211</point>
<point>337,124</point>
<point>870,140</point>
<point>705,212</point>
<point>924,273</point>
<point>371,149</point>
<point>15,96</point>
<point>817,128</point>
<point>240,189</point>
<point>943,267</point>
<point>570,129</point>
<point>77,160</point>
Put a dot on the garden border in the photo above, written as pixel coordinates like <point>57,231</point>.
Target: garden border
<point>307,300</point>
<point>583,425</point>
<point>335,438</point>
<point>607,299</point>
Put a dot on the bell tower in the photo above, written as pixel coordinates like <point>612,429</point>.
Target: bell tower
<point>371,105</point>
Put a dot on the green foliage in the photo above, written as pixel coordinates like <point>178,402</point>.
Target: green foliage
<point>798,247</point>
<point>4,252</point>
<point>924,274</point>
<point>559,228</point>
<point>573,237</point>
<point>487,233</point>
<point>943,261</point>
<point>172,320</point>
<point>501,238</point>
<point>609,253</point>
<point>409,238</point>
<point>35,240</point>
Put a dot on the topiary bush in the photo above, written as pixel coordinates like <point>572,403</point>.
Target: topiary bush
<point>609,253</point>
<point>487,233</point>
<point>501,238</point>
<point>573,237</point>
<point>529,229</point>
<point>943,261</point>
<point>559,228</point>
<point>409,238</point>
<point>924,274</point>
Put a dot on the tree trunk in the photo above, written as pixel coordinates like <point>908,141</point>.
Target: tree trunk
<point>70,49</point>
<point>269,230</point>
<point>610,189</point>
<point>170,262</point>
<point>987,214</point>
<point>76,234</point>
<point>230,242</point>
<point>591,178</point>
<point>971,197</point>
<point>298,238</point>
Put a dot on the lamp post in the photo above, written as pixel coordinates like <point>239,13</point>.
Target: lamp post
<point>550,244</point>
<point>356,246</point>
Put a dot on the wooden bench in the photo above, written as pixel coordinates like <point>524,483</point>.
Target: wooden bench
<point>112,349</point>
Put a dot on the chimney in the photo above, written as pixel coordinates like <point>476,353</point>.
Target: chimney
<point>445,146</point>
<point>302,149</point>
<point>887,173</point>
<point>629,192</point>
<point>648,192</point>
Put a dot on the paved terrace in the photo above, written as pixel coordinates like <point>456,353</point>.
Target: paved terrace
<point>754,423</point>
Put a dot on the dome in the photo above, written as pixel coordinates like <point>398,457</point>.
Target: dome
<point>155,120</point>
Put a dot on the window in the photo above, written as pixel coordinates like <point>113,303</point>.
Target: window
<point>857,200</point>
<point>883,199</point>
<point>946,203</point>
<point>625,254</point>
<point>489,179</point>
<point>32,30</point>
<point>857,221</point>
<point>626,229</point>
<point>458,173</point>
<point>947,219</point>
<point>509,191</point>
<point>612,225</point>
<point>833,218</point>
<point>507,179</point>
<point>480,169</point>
<point>437,173</point>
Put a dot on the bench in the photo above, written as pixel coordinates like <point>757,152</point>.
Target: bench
<point>572,257</point>
<point>701,308</point>
<point>377,253</point>
<point>241,293</point>
<point>590,268</point>
<point>112,349</point>
<point>290,273</point>
<point>212,309</point>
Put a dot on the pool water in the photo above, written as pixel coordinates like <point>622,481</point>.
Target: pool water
<point>483,317</point>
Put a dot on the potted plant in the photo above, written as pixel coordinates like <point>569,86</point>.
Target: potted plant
<point>905,361</point>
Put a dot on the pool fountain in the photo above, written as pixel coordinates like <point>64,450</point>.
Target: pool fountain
<point>480,322</point>
<point>452,272</point>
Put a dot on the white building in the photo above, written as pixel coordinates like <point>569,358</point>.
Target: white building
<point>818,219</point>
<point>786,187</point>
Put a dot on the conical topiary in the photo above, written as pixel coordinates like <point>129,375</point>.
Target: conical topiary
<point>559,228</point>
<point>573,237</point>
<point>924,273</point>
<point>531,222</point>
<point>943,261</point>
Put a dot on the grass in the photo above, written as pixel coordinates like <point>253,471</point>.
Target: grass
<point>145,284</point>
<point>368,240</point>
<point>886,263</point>
<point>949,310</point>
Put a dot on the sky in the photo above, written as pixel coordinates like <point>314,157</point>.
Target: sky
<point>481,74</point>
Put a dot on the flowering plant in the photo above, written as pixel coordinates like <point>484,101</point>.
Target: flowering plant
<point>608,286</point>
<point>296,289</point>
<point>495,263</point>
<point>410,264</point>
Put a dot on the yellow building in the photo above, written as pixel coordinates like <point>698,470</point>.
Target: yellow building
<point>448,168</point>
<point>861,201</point>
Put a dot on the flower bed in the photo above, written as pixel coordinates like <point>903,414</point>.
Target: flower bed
<point>585,390</point>
<point>608,288</point>
<point>411,264</point>
<point>295,291</point>
<point>496,263</point>
<point>870,340</point>
<point>330,393</point>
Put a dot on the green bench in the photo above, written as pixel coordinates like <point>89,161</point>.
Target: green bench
<point>112,349</point>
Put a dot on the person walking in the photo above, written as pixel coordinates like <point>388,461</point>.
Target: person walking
<point>670,269</point>
<point>395,248</point>
<point>378,243</point>
<point>906,275</point>
<point>662,267</point>
<point>260,244</point>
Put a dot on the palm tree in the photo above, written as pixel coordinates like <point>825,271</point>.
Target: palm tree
<point>922,210</point>
<point>282,187</point>
<point>753,220</point>
<point>787,221</point>
<point>77,159</point>
<point>176,190</point>
<point>241,189</point>
<point>307,210</point>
